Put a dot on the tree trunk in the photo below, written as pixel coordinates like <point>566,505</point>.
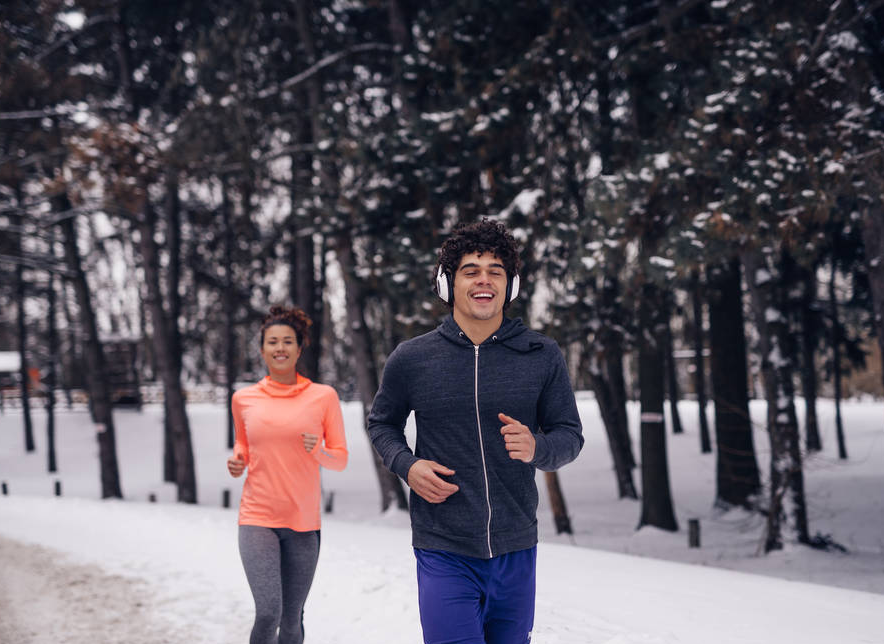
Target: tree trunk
<point>671,377</point>
<point>606,129</point>
<point>557,502</point>
<point>787,506</point>
<point>51,379</point>
<point>836,364</point>
<point>605,370</point>
<point>613,361</point>
<point>306,291</point>
<point>873,242</point>
<point>70,357</point>
<point>737,474</point>
<point>809,330</point>
<point>229,299</point>
<point>699,363</point>
<point>399,23</point>
<point>169,467</point>
<point>366,372</point>
<point>163,345</point>
<point>306,296</point>
<point>612,386</point>
<point>657,507</point>
<point>173,273</point>
<point>173,277</point>
<point>20,295</point>
<point>23,375</point>
<point>605,398</point>
<point>96,378</point>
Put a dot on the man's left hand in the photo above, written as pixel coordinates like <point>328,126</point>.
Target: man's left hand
<point>518,438</point>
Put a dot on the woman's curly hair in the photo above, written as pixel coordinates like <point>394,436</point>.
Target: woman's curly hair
<point>483,236</point>
<point>293,317</point>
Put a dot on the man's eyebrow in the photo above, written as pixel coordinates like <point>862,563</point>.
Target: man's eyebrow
<point>474,265</point>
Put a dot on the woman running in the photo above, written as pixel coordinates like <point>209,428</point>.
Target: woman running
<point>286,427</point>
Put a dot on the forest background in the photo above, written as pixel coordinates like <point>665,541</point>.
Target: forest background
<point>697,188</point>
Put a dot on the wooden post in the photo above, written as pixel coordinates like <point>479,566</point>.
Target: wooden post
<point>57,488</point>
<point>5,490</point>
<point>225,498</point>
<point>329,502</point>
<point>693,533</point>
<point>152,497</point>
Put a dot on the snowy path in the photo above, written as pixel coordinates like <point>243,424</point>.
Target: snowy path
<point>181,565</point>
<point>45,598</point>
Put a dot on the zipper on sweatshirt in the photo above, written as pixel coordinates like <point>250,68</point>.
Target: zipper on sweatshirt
<point>482,446</point>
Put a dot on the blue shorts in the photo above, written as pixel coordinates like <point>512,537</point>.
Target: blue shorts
<point>464,600</point>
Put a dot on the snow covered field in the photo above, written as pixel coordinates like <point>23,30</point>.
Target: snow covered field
<point>66,563</point>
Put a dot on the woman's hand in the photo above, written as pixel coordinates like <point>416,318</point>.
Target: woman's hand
<point>236,465</point>
<point>310,441</point>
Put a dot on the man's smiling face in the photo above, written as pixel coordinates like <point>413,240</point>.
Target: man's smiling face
<point>479,287</point>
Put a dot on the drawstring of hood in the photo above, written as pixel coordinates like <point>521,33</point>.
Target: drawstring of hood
<point>512,334</point>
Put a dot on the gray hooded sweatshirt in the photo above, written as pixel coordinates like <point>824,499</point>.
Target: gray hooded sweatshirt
<point>456,390</point>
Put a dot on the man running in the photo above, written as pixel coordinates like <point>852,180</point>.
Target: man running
<point>492,402</point>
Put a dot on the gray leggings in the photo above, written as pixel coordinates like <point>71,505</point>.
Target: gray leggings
<point>279,565</point>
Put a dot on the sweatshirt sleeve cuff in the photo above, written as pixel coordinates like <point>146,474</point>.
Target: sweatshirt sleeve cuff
<point>541,451</point>
<point>402,463</point>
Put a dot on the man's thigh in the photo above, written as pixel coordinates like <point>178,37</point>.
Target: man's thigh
<point>464,600</point>
<point>509,606</point>
<point>450,598</point>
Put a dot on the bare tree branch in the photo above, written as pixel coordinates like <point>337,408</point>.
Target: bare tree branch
<point>65,109</point>
<point>824,30</point>
<point>314,69</point>
<point>37,262</point>
<point>95,20</point>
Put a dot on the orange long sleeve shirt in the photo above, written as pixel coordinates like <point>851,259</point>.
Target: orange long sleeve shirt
<point>282,486</point>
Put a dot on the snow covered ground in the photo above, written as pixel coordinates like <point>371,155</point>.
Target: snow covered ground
<point>76,569</point>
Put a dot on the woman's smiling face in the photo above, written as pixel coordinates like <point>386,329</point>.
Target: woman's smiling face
<point>280,351</point>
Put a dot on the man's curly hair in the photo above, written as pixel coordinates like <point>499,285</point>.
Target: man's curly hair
<point>293,317</point>
<point>483,236</point>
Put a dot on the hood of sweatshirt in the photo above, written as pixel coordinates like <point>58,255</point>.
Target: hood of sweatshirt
<point>512,334</point>
<point>280,390</point>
